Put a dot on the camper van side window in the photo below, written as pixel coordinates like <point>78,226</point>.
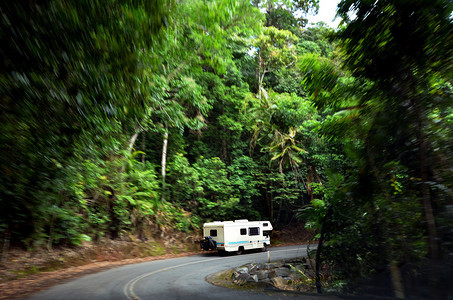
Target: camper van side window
<point>243,231</point>
<point>254,231</point>
<point>265,224</point>
<point>213,232</point>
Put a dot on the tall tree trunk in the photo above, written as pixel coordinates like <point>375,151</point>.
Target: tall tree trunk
<point>164,155</point>
<point>309,188</point>
<point>270,9</point>
<point>258,77</point>
<point>280,205</point>
<point>164,161</point>
<point>270,205</point>
<point>143,147</point>
<point>131,144</point>
<point>396,281</point>
<point>426,198</point>
<point>437,281</point>
<point>315,174</point>
<point>132,141</point>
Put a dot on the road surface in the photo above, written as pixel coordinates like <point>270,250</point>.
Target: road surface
<point>177,278</point>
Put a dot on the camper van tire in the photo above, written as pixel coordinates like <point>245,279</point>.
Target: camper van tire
<point>240,250</point>
<point>264,249</point>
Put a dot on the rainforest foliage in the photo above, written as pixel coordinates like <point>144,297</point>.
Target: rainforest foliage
<point>146,117</point>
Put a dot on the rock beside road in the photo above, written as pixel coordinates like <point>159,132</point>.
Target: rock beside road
<point>293,275</point>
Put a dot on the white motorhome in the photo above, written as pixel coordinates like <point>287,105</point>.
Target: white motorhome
<point>237,236</point>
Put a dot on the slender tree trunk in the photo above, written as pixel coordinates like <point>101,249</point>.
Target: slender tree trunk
<point>130,146</point>
<point>258,77</point>
<point>270,8</point>
<point>426,198</point>
<point>132,141</point>
<point>164,161</point>
<point>143,147</point>
<point>315,174</point>
<point>164,155</point>
<point>437,281</point>
<point>270,204</point>
<point>309,189</point>
<point>280,205</point>
<point>396,281</point>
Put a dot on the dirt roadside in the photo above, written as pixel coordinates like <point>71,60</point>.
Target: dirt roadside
<point>19,288</point>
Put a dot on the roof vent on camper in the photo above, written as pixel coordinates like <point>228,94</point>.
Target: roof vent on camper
<point>241,220</point>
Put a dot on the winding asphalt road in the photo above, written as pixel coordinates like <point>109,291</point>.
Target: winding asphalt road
<point>178,278</point>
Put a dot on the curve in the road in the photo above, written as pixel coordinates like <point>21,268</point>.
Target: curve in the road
<point>179,278</point>
<point>129,287</point>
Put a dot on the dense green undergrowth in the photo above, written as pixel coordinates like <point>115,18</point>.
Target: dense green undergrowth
<point>137,119</point>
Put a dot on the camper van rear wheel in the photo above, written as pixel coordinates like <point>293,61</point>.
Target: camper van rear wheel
<point>240,250</point>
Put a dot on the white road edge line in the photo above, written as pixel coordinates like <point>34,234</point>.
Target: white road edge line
<point>128,289</point>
